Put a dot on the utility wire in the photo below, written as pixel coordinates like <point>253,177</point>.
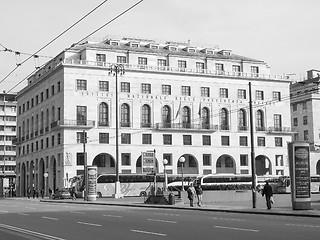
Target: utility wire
<point>113,19</point>
<point>53,40</point>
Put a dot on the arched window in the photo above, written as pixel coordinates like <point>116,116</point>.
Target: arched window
<point>27,128</point>
<point>47,122</point>
<point>125,115</point>
<point>242,120</point>
<point>53,114</point>
<point>103,114</point>
<point>205,118</point>
<point>166,116</point>
<point>224,119</point>
<point>146,116</point>
<point>41,122</point>
<point>186,119</point>
<point>32,125</point>
<point>260,122</point>
<point>37,125</point>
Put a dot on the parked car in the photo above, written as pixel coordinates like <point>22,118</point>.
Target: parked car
<point>62,194</point>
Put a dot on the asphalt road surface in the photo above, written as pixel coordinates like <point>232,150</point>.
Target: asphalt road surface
<point>31,219</point>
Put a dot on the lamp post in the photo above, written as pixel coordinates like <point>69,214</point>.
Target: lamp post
<point>116,69</point>
<point>165,162</point>
<point>182,160</point>
<point>253,164</point>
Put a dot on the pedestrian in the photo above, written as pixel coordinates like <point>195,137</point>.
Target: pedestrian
<point>42,193</point>
<point>50,192</point>
<point>191,194</point>
<point>29,192</point>
<point>199,193</point>
<point>267,191</point>
<point>37,193</point>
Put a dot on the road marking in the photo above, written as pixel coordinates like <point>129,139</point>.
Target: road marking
<point>31,233</point>
<point>78,212</point>
<point>301,225</point>
<point>238,229</point>
<point>227,219</point>
<point>30,207</point>
<point>167,214</point>
<point>165,221</point>
<point>4,211</point>
<point>90,224</point>
<point>152,233</point>
<point>106,215</point>
<point>51,218</point>
<point>23,214</point>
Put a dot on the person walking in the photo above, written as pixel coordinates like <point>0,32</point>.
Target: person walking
<point>267,191</point>
<point>42,193</point>
<point>191,194</point>
<point>29,192</point>
<point>50,192</point>
<point>199,193</point>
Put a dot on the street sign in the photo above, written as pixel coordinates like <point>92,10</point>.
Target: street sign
<point>148,161</point>
<point>45,175</point>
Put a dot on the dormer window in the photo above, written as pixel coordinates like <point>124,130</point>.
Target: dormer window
<point>154,47</point>
<point>225,52</point>
<point>208,51</point>
<point>114,43</point>
<point>173,48</point>
<point>134,45</point>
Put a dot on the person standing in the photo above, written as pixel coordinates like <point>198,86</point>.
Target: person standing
<point>50,192</point>
<point>191,194</point>
<point>42,193</point>
<point>199,193</point>
<point>29,192</point>
<point>267,191</point>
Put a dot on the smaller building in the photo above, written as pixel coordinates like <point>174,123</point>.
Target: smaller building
<point>305,109</point>
<point>8,118</point>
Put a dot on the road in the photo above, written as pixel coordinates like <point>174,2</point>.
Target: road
<point>31,219</point>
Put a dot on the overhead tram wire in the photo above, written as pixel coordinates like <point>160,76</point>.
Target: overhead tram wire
<point>113,19</point>
<point>53,39</point>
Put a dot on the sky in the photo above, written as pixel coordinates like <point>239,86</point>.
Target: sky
<point>283,33</point>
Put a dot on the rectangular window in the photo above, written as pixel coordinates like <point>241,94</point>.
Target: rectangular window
<point>41,97</point>
<point>146,139</point>
<point>295,122</point>
<point>168,156</point>
<point>254,71</point>
<point>81,115</point>
<point>186,91</point>
<point>81,137</point>
<point>166,89</point>
<point>142,61</point>
<point>261,141</point>
<point>259,95</point>
<point>244,160</point>
<point>101,59</point>
<point>59,86</point>
<point>187,140</point>
<point>279,160</point>
<point>41,143</point>
<point>242,94</point>
<point>206,158</point>
<point>104,86</point>
<point>304,105</point>
<point>146,88</point>
<point>243,141</point>
<point>294,107</point>
<point>47,142</point>
<point>167,139</point>
<point>121,59</point>
<point>59,139</point>
<point>47,93</point>
<point>125,159</point>
<point>200,67</point>
<point>219,68</point>
<point>305,120</point>
<point>125,138</point>
<point>296,136</point>
<point>236,69</point>
<point>52,141</point>
<point>80,159</point>
<point>277,122</point>
<point>276,96</point>
<point>162,63</point>
<point>278,141</point>
<point>104,138</point>
<point>81,84</point>
<point>225,141</point>
<point>305,135</point>
<point>206,140</point>
<point>182,65</point>
<point>52,90</point>
<point>125,87</point>
<point>205,92</point>
<point>223,92</point>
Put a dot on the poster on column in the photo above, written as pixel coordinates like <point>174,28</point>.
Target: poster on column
<point>148,162</point>
<point>92,183</point>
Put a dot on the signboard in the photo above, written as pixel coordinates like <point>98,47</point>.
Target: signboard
<point>148,161</point>
<point>92,183</point>
<point>299,162</point>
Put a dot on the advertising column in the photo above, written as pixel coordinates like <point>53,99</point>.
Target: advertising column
<point>92,183</point>
<point>299,162</point>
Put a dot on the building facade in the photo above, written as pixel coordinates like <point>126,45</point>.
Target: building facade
<point>8,119</point>
<point>305,107</point>
<point>173,99</point>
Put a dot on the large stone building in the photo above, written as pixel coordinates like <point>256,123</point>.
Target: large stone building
<point>174,98</point>
<point>305,110</point>
<point>8,119</point>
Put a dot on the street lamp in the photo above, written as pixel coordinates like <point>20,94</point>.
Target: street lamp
<point>115,69</point>
<point>165,162</point>
<point>182,160</point>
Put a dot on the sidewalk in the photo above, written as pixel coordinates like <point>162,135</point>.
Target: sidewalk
<point>282,205</point>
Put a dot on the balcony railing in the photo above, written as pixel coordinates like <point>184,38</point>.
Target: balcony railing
<point>41,131</point>
<point>36,133</point>
<point>47,129</point>
<point>145,125</point>
<point>186,126</point>
<point>103,124</point>
<point>277,130</point>
<point>67,123</point>
<point>224,127</point>
<point>125,124</point>
<point>242,128</point>
<point>260,129</point>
